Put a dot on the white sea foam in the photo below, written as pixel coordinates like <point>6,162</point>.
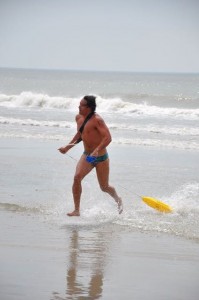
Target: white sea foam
<point>31,122</point>
<point>158,143</point>
<point>159,129</point>
<point>148,128</point>
<point>29,99</point>
<point>187,197</point>
<point>183,221</point>
<point>109,105</point>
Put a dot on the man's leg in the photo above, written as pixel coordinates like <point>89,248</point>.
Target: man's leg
<point>82,169</point>
<point>102,170</point>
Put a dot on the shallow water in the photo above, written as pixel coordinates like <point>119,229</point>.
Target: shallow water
<point>37,180</point>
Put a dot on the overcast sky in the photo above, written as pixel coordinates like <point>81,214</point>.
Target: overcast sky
<point>122,35</point>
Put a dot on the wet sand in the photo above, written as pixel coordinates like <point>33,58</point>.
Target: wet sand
<point>93,262</point>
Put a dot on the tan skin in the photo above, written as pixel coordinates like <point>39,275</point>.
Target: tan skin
<point>96,137</point>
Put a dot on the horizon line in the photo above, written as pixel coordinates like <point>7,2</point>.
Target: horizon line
<point>98,71</point>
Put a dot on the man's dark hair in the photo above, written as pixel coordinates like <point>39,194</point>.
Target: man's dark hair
<point>91,102</point>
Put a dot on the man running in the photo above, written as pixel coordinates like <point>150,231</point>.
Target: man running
<point>92,130</point>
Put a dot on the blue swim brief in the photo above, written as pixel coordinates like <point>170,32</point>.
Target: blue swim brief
<point>94,161</point>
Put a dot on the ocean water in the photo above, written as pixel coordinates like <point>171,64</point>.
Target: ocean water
<point>154,122</point>
<point>158,110</point>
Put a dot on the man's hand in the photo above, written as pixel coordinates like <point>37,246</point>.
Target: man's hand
<point>62,150</point>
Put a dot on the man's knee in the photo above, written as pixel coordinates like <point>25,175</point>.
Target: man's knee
<point>104,188</point>
<point>77,178</point>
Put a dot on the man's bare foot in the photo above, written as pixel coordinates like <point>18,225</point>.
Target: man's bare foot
<point>74,213</point>
<point>120,206</point>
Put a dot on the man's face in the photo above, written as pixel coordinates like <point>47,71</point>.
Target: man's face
<point>83,107</point>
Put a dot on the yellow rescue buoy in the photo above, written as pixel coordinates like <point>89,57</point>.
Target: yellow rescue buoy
<point>154,203</point>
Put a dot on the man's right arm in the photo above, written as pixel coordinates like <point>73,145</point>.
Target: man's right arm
<point>76,139</point>
<point>71,144</point>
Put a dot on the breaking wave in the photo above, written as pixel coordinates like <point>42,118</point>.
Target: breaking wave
<point>109,105</point>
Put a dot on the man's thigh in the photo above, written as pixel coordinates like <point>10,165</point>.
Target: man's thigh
<point>102,170</point>
<point>83,167</point>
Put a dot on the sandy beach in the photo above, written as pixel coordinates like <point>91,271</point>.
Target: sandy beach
<point>46,255</point>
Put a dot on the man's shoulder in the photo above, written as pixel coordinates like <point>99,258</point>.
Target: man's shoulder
<point>99,121</point>
<point>78,117</point>
<point>97,117</point>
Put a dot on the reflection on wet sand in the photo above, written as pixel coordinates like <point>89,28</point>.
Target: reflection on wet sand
<point>87,260</point>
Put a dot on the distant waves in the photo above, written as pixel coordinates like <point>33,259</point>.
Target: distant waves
<point>108,105</point>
